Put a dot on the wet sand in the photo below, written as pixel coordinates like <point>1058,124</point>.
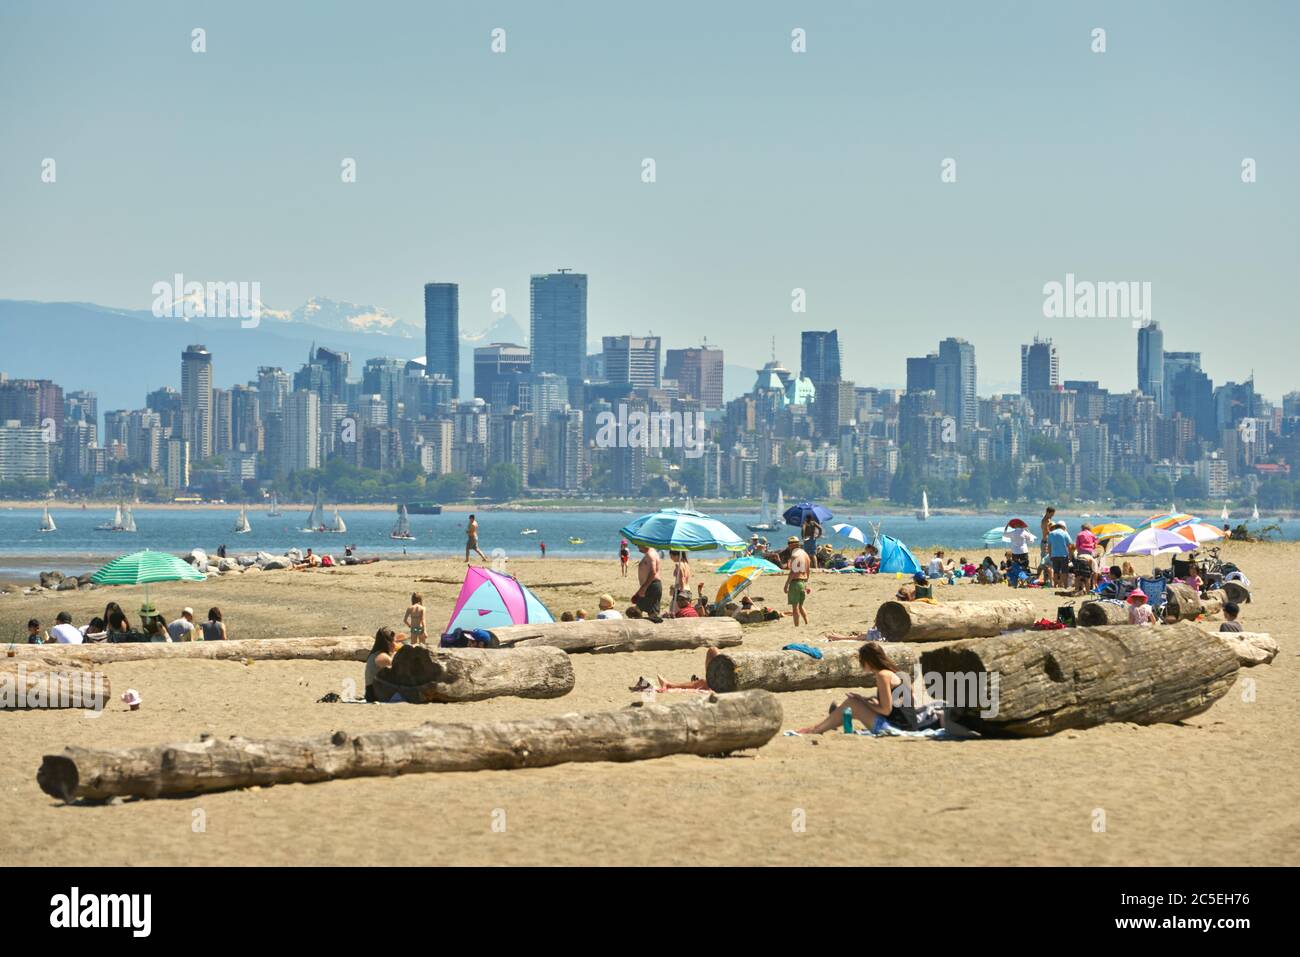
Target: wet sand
<point>1216,790</point>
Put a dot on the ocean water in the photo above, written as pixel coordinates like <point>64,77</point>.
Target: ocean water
<point>76,547</point>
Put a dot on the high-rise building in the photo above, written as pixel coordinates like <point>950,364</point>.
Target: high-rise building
<point>920,372</point>
<point>24,452</point>
<point>386,378</point>
<point>1174,364</point>
<point>196,401</point>
<point>954,382</point>
<point>273,384</point>
<point>819,357</point>
<point>699,374</point>
<point>558,326</point>
<point>1151,360</point>
<point>442,332</point>
<point>1040,367</point>
<point>501,373</point>
<point>632,360</point>
<point>300,439</point>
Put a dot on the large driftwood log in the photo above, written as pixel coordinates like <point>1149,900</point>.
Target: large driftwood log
<point>1043,682</point>
<point>607,635</point>
<point>718,724</point>
<point>795,671</point>
<point>1093,613</point>
<point>338,648</point>
<point>1236,591</point>
<point>1251,647</point>
<point>923,621</point>
<point>420,674</point>
<point>1184,603</point>
<point>49,682</point>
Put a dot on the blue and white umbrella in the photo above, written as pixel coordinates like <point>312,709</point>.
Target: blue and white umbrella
<point>796,515</point>
<point>680,530</point>
<point>850,532</point>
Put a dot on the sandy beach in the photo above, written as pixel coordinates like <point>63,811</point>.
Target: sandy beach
<point>1216,790</point>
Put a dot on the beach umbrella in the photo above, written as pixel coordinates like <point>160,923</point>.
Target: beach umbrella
<point>142,568</point>
<point>1152,541</point>
<point>796,515</point>
<point>1109,530</point>
<point>895,557</point>
<point>1017,523</point>
<point>489,599</point>
<point>737,583</point>
<point>681,530</point>
<point>850,532</point>
<point>1165,520</point>
<point>748,561</point>
<point>995,536</point>
<point>1198,532</point>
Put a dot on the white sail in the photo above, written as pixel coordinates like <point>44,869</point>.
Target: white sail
<point>316,520</point>
<point>1224,514</point>
<point>47,523</point>
<point>780,502</point>
<point>128,520</point>
<point>117,516</point>
<point>765,512</point>
<point>923,513</point>
<point>403,527</point>
<point>338,525</point>
<point>242,524</point>
<point>275,507</point>
<point>1254,515</point>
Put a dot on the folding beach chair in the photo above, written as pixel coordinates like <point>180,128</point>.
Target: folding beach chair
<point>1154,589</point>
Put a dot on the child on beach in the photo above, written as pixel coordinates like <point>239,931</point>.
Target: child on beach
<point>34,636</point>
<point>1139,612</point>
<point>1230,612</point>
<point>414,619</point>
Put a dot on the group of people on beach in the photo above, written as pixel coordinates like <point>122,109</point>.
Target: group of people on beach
<point>114,626</point>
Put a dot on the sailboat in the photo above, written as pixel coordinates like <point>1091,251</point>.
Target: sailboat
<point>118,524</point>
<point>1224,514</point>
<point>275,507</point>
<point>923,513</point>
<point>1254,515</point>
<point>765,523</point>
<point>337,525</point>
<point>316,520</point>
<point>402,530</point>
<point>241,524</point>
<point>47,523</point>
<point>128,520</point>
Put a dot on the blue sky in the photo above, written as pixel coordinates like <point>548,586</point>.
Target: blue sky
<point>775,170</point>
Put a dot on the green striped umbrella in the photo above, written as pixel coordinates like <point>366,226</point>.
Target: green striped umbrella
<point>141,568</point>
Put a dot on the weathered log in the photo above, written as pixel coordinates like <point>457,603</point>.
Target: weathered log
<point>1184,603</point>
<point>1093,613</point>
<point>1043,682</point>
<point>47,683</point>
<point>838,667</point>
<point>1235,591</point>
<point>606,635</point>
<point>338,648</point>
<point>420,674</point>
<point>716,724</point>
<point>923,621</point>
<point>1251,647</point>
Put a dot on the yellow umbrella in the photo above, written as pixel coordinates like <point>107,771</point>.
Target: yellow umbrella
<point>1111,530</point>
<point>737,583</point>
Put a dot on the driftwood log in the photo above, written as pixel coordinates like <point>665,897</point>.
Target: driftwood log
<point>31,683</point>
<point>1184,603</point>
<point>1043,682</point>
<point>339,648</point>
<point>795,671</point>
<point>1251,647</point>
<point>605,635</point>
<point>420,674</point>
<point>1235,591</point>
<point>1093,613</point>
<point>923,621</point>
<point>716,724</point>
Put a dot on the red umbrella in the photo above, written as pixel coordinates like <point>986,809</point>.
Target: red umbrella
<point>1017,523</point>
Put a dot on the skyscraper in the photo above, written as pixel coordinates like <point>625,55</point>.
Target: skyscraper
<point>196,401</point>
<point>558,326</point>
<point>1151,360</point>
<point>819,357</point>
<point>501,373</point>
<point>920,372</point>
<point>632,360</point>
<point>954,382</point>
<point>699,374</point>
<point>1040,367</point>
<point>1175,363</point>
<point>442,331</point>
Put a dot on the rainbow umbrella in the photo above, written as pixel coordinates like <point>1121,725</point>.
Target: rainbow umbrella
<point>737,583</point>
<point>1165,520</point>
<point>1198,532</point>
<point>489,599</point>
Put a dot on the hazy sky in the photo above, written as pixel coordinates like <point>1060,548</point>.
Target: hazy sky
<point>775,170</point>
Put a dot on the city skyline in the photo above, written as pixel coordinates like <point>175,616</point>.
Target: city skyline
<point>1049,163</point>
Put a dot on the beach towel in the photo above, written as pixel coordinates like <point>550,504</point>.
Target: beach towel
<point>806,649</point>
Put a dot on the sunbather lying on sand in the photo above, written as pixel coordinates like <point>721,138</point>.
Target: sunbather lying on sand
<point>695,684</point>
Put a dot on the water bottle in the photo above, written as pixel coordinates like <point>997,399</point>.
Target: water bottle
<point>848,720</point>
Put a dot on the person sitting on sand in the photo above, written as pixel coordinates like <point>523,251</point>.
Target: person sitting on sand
<point>891,704</point>
<point>34,636</point>
<point>380,657</point>
<point>414,618</point>
<point>918,587</point>
<point>214,629</point>
<point>95,630</point>
<point>182,629</point>
<point>685,605</point>
<point>1139,612</point>
<point>633,612</point>
<point>63,632</point>
<point>1230,612</point>
<point>109,610</point>
<point>153,624</point>
<point>1127,571</point>
<point>607,609</point>
<point>566,616</point>
<point>579,615</point>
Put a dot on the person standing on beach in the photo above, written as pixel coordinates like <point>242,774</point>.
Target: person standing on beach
<point>651,590</point>
<point>681,579</point>
<point>623,556</point>
<point>1045,526</point>
<point>796,582</point>
<point>812,530</point>
<point>414,619</point>
<point>471,540</point>
<point>542,546</point>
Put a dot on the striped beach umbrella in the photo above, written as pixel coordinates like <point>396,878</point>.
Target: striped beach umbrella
<point>143,568</point>
<point>850,531</point>
<point>737,583</point>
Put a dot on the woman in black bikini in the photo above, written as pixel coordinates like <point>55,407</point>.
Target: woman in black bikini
<point>892,701</point>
